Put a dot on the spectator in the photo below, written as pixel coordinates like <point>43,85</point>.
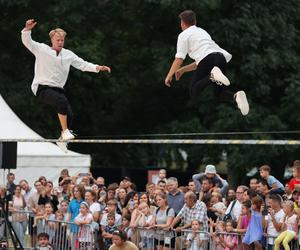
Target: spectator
<point>82,219</point>
<point>108,230</point>
<point>211,173</point>
<point>126,225</point>
<point>120,242</point>
<point>111,209</point>
<point>127,184</point>
<point>74,206</point>
<point>150,187</point>
<point>229,241</point>
<point>10,184</point>
<point>161,184</point>
<point>295,196</point>
<point>245,217</point>
<point>235,207</point>
<point>254,231</point>
<point>64,176</point>
<point>43,180</point>
<point>100,181</point>
<point>19,218</point>
<point>121,195</point>
<point>64,208</point>
<point>274,220</point>
<point>295,181</point>
<point>263,188</point>
<point>217,235</point>
<point>162,174</point>
<point>175,196</point>
<point>52,198</point>
<point>90,199</point>
<point>34,198</point>
<point>193,209</point>
<point>194,239</point>
<point>43,239</point>
<point>143,220</point>
<point>275,185</point>
<point>249,194</point>
<point>162,221</point>
<point>192,186</point>
<point>207,187</point>
<point>131,203</point>
<point>218,207</point>
<point>27,190</point>
<point>289,227</point>
<point>253,184</point>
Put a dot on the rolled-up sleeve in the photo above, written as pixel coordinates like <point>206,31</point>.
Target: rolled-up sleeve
<point>82,65</point>
<point>182,47</point>
<point>33,46</point>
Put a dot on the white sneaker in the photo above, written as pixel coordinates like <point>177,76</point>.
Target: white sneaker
<point>67,135</point>
<point>242,102</point>
<point>218,77</point>
<point>62,145</point>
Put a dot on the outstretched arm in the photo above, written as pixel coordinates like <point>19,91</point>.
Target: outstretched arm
<point>30,24</point>
<point>26,36</point>
<point>175,66</point>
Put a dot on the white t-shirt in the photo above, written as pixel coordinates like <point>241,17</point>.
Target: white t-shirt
<point>194,242</point>
<point>118,220</point>
<point>291,222</point>
<point>271,230</point>
<point>236,211</point>
<point>86,232</point>
<point>95,207</point>
<point>197,43</point>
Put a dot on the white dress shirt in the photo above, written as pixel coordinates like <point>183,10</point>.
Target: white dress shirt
<point>50,68</point>
<point>197,43</point>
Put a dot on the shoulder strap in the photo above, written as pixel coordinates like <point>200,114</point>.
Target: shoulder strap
<point>233,203</point>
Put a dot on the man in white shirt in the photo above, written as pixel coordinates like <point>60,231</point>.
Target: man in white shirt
<point>274,220</point>
<point>52,65</point>
<point>210,62</point>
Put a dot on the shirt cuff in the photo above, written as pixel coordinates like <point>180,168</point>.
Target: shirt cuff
<point>180,55</point>
<point>25,31</point>
<point>97,71</point>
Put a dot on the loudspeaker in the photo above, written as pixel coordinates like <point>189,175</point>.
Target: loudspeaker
<point>8,155</point>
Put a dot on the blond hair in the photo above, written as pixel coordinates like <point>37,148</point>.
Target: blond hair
<point>58,31</point>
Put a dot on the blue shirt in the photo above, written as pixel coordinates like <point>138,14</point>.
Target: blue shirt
<point>176,201</point>
<point>272,180</point>
<point>73,208</point>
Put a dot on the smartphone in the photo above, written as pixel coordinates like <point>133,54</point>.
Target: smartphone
<point>83,174</point>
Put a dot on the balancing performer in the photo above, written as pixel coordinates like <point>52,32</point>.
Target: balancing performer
<point>52,65</point>
<point>209,66</point>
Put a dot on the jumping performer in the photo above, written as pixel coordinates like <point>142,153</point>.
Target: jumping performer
<point>209,66</point>
<point>52,65</point>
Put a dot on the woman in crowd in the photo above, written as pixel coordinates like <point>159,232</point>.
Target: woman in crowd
<point>120,242</point>
<point>131,203</point>
<point>162,220</point>
<point>254,232</point>
<point>51,195</point>
<point>19,218</point>
<point>64,176</point>
<point>244,218</point>
<point>90,199</point>
<point>121,195</point>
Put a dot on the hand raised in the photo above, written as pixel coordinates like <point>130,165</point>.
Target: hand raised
<point>103,68</point>
<point>29,25</point>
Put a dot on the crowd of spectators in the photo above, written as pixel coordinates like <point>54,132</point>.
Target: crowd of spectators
<point>263,215</point>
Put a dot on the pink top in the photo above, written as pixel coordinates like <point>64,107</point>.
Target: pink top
<point>231,240</point>
<point>245,221</point>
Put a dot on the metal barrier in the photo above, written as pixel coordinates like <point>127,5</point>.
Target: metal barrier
<point>62,235</point>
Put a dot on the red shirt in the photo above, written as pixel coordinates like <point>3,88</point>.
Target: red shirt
<point>293,182</point>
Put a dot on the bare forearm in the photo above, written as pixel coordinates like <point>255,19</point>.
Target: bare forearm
<point>189,67</point>
<point>175,66</point>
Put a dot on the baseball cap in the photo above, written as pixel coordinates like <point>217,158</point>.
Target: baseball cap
<point>126,178</point>
<point>210,169</point>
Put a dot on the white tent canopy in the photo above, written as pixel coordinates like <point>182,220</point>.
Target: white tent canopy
<point>35,159</point>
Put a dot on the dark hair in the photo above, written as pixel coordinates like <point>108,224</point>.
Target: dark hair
<point>188,17</point>
<point>210,181</point>
<point>257,201</point>
<point>265,168</point>
<point>81,190</point>
<point>128,197</point>
<point>127,217</point>
<point>147,195</point>
<point>161,181</point>
<point>247,204</point>
<point>92,193</point>
<point>111,216</point>
<point>43,235</point>
<point>121,234</point>
<point>276,197</point>
<point>251,193</point>
<point>263,182</point>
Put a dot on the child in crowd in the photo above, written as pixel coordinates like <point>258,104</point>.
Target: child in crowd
<point>229,241</point>
<point>143,220</point>
<point>289,227</point>
<point>219,231</point>
<point>276,187</point>
<point>85,234</point>
<point>43,239</point>
<point>108,230</point>
<point>64,208</point>
<point>126,225</point>
<point>60,235</point>
<point>245,217</point>
<point>254,232</point>
<point>295,181</point>
<point>218,207</point>
<point>196,240</point>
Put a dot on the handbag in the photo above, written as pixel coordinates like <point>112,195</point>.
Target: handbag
<point>228,216</point>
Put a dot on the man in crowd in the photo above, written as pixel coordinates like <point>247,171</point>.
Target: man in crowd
<point>192,186</point>
<point>11,186</point>
<point>175,196</point>
<point>162,185</point>
<point>27,190</point>
<point>273,222</point>
<point>162,174</point>
<point>111,209</point>
<point>235,207</point>
<point>253,184</point>
<point>211,173</point>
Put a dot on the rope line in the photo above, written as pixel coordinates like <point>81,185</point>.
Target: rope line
<point>194,134</point>
<point>165,141</point>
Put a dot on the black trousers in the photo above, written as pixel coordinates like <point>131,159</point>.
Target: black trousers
<point>201,77</point>
<point>56,98</point>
